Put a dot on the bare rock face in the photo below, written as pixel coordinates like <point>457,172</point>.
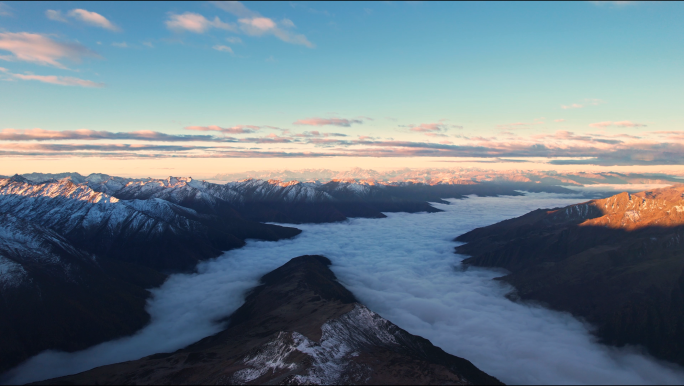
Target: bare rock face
<point>616,262</point>
<point>299,327</point>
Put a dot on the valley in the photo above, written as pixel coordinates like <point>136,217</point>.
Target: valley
<point>402,267</point>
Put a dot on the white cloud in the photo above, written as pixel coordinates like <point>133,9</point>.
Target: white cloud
<point>221,48</point>
<point>120,45</point>
<point>234,40</point>
<point>236,8</point>
<point>402,267</point>
<point>55,15</point>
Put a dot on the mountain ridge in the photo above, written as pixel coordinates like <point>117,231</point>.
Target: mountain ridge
<point>299,326</point>
<point>616,262</point>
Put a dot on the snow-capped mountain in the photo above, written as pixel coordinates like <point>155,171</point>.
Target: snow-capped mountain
<point>57,296</point>
<point>152,231</point>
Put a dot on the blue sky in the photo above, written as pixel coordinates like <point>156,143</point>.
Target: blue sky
<point>595,83</point>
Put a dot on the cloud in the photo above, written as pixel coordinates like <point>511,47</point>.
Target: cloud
<point>84,134</point>
<point>328,121</point>
<point>221,48</point>
<point>239,129</point>
<point>316,133</point>
<point>402,267</point>
<point>59,80</point>
<point>559,120</point>
<point>40,49</point>
<point>120,45</point>
<point>236,8</point>
<point>92,18</point>
<point>254,24</point>
<point>234,40</point>
<point>617,123</point>
<point>96,147</point>
<point>585,103</point>
<point>614,3</point>
<point>436,135</point>
<point>561,147</point>
<point>196,23</point>
<point>5,10</point>
<point>55,15</point>
<point>432,127</point>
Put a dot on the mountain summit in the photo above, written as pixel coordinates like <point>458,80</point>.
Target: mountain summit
<point>300,326</point>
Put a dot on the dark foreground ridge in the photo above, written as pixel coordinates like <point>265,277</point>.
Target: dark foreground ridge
<point>616,262</point>
<point>300,326</point>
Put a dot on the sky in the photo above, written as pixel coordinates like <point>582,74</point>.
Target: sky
<point>212,87</point>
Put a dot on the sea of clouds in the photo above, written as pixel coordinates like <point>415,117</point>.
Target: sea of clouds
<point>403,267</point>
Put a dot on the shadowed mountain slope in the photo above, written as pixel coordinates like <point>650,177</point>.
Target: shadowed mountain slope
<point>617,262</point>
<point>299,327</point>
<point>56,296</point>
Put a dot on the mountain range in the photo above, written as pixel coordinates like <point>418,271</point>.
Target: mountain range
<point>617,263</point>
<point>300,326</point>
<point>79,253</point>
<point>456,176</point>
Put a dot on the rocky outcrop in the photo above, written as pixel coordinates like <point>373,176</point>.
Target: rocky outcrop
<point>616,262</point>
<point>299,327</point>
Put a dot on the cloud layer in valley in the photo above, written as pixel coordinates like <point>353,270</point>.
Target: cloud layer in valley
<point>404,268</point>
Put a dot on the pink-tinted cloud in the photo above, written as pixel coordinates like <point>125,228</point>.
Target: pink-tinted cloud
<point>40,49</point>
<point>84,134</point>
<point>328,121</point>
<point>633,153</point>
<point>93,18</point>
<point>196,23</point>
<point>559,120</point>
<point>60,80</point>
<point>239,129</point>
<point>254,24</point>
<point>316,133</point>
<point>98,147</point>
<point>617,123</point>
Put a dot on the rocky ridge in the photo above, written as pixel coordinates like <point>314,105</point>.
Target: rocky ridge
<point>300,326</point>
<point>616,262</point>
